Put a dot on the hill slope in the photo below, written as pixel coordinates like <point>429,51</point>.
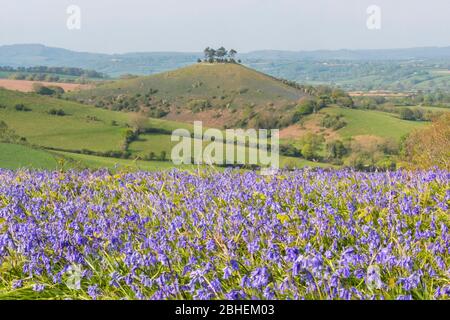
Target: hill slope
<point>218,94</point>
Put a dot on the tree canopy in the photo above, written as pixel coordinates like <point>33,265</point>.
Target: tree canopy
<point>220,55</point>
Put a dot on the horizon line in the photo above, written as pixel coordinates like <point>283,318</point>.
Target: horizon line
<point>245,52</point>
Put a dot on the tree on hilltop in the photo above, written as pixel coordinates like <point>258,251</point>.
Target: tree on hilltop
<point>220,55</point>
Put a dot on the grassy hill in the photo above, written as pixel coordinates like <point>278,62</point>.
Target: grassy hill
<point>218,94</point>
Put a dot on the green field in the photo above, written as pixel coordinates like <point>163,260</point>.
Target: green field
<point>14,156</point>
<point>376,123</point>
<point>81,128</point>
<point>74,160</point>
<point>77,131</point>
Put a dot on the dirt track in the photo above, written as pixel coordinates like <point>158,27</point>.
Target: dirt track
<point>27,86</point>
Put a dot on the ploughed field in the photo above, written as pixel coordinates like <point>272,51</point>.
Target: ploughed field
<point>312,234</point>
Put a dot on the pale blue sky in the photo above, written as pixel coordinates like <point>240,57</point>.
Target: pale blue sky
<point>116,26</point>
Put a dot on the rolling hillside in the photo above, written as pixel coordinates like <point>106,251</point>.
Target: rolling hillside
<point>219,94</point>
<point>84,136</point>
<point>96,132</point>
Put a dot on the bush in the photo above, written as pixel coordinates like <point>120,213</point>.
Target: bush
<point>199,105</point>
<point>333,122</point>
<point>407,114</point>
<point>21,107</point>
<point>163,156</point>
<point>346,102</point>
<point>47,90</point>
<point>289,151</point>
<point>336,149</point>
<point>311,144</point>
<point>57,112</point>
<point>306,106</point>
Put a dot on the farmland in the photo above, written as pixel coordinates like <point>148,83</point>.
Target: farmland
<point>366,122</point>
<point>27,86</point>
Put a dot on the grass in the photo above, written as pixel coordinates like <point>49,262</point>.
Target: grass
<point>158,143</point>
<point>367,122</point>
<point>13,156</point>
<point>77,130</point>
<point>74,160</point>
<point>83,127</point>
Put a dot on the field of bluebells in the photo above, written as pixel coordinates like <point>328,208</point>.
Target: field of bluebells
<point>309,234</point>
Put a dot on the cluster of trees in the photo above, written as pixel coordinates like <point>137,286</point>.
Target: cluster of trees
<point>403,108</point>
<point>371,154</point>
<point>415,114</point>
<point>220,55</point>
<point>310,105</point>
<point>324,95</point>
<point>437,98</point>
<point>334,122</point>
<point>75,72</point>
<point>35,77</point>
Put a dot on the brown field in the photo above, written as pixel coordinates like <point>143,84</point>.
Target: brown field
<point>27,86</point>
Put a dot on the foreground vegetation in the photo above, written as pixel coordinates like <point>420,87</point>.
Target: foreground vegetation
<point>176,235</point>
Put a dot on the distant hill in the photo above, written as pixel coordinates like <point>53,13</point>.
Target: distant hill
<point>344,54</point>
<point>29,55</point>
<point>219,94</point>
<point>145,63</point>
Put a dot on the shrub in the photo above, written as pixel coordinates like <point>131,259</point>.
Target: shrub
<point>407,114</point>
<point>47,91</point>
<point>336,149</point>
<point>21,107</point>
<point>163,156</point>
<point>57,112</point>
<point>199,105</point>
<point>306,106</point>
<point>333,122</point>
